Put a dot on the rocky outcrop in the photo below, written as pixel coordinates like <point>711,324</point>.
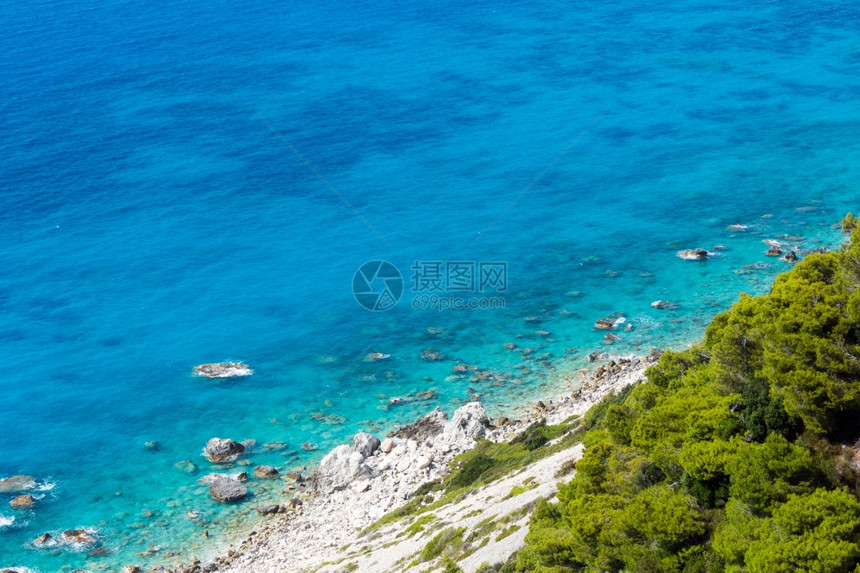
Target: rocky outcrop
<point>339,468</point>
<point>77,537</point>
<point>428,426</point>
<point>773,251</point>
<point>23,502</point>
<point>265,472</point>
<point>16,484</point>
<point>790,257</point>
<point>469,422</point>
<point>227,490</point>
<point>219,450</point>
<point>223,370</point>
<point>365,444</point>
<point>693,254</point>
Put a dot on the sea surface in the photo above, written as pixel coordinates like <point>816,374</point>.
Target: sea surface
<point>193,182</point>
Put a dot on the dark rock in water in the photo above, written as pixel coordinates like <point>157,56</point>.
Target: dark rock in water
<point>131,569</point>
<point>424,428</point>
<point>773,251</point>
<point>187,466</point>
<point>265,472</point>
<point>295,503</point>
<point>365,444</point>
<point>604,324</point>
<point>791,257</point>
<point>23,502</point>
<point>396,401</point>
<point>818,251</point>
<point>78,536</point>
<point>227,490</point>
<point>268,509</point>
<point>223,450</point>
<point>17,484</point>
<point>693,254</point>
<point>44,539</point>
<point>295,476</point>
<point>243,476</point>
<point>594,356</point>
<point>152,446</point>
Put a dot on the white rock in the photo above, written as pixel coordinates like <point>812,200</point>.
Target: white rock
<point>365,444</point>
<point>421,462</point>
<point>341,466</point>
<point>466,425</point>
<point>387,445</point>
<point>398,451</point>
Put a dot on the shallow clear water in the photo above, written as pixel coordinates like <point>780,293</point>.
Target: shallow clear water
<point>151,220</point>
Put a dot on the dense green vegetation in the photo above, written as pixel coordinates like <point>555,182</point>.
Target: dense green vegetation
<point>736,455</point>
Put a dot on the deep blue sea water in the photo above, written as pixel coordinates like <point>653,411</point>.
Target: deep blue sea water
<point>152,219</point>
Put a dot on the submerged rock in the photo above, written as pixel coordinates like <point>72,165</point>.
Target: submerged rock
<point>223,450</point>
<point>23,502</point>
<point>17,484</point>
<point>227,490</point>
<point>187,466</point>
<point>773,251</point>
<point>604,324</point>
<point>223,370</point>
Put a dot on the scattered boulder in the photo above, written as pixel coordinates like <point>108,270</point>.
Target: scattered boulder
<point>17,484</point>
<point>44,539</point>
<point>25,501</point>
<point>78,537</point>
<point>220,450</point>
<point>427,395</point>
<point>309,447</point>
<point>295,476</point>
<point>365,444</point>
<point>790,257</point>
<point>223,370</point>
<point>131,569</point>
<point>227,490</point>
<point>396,401</point>
<point>387,445</point>
<point>269,509</point>
<point>428,426</point>
<point>604,324</point>
<point>266,472</point>
<point>152,446</point>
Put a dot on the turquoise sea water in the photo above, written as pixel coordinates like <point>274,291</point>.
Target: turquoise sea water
<point>151,219</point>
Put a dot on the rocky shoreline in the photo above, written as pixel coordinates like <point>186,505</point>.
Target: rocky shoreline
<point>357,484</point>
